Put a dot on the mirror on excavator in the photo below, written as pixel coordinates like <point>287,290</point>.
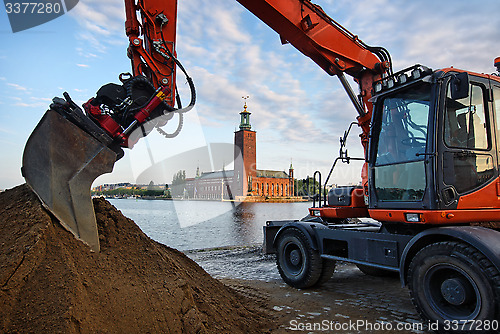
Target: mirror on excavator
<point>459,86</point>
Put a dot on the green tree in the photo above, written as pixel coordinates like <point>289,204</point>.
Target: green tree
<point>306,187</point>
<point>178,183</point>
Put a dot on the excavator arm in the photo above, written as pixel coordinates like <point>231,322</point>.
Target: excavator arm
<point>311,31</point>
<point>70,147</point>
<point>332,47</point>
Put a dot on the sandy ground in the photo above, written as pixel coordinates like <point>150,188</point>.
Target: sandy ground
<point>350,302</point>
<point>52,283</point>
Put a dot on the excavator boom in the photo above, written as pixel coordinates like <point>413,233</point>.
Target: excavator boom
<point>71,147</point>
<point>61,160</point>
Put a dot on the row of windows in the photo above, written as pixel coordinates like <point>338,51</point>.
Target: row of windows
<point>210,188</point>
<point>263,189</point>
<point>210,196</point>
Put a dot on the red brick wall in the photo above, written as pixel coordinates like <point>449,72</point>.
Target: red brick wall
<point>272,187</point>
<point>245,141</point>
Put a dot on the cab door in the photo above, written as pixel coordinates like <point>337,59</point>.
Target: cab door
<point>495,85</point>
<point>467,151</point>
<point>401,149</point>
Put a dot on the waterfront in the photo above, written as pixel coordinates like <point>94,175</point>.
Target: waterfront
<point>187,225</point>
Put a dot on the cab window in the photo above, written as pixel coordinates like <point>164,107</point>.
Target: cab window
<point>496,96</point>
<point>465,121</point>
<point>402,141</point>
<point>467,163</point>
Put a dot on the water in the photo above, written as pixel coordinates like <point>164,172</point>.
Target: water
<point>188,225</point>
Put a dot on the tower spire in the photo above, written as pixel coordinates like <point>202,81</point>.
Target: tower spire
<point>245,116</point>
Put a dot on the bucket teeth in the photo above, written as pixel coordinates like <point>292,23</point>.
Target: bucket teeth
<point>60,162</point>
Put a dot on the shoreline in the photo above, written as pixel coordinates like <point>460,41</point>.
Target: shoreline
<point>350,302</point>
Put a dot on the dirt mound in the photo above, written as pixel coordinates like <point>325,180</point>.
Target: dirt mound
<point>50,282</point>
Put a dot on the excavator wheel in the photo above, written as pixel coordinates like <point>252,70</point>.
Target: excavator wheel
<point>454,285</point>
<point>299,265</point>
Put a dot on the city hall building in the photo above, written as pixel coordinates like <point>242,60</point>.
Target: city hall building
<point>245,182</point>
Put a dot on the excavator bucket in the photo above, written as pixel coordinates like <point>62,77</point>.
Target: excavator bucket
<point>60,162</point>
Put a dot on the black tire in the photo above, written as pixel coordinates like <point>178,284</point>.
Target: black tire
<point>451,282</point>
<point>298,264</point>
<point>376,272</point>
<point>327,271</point>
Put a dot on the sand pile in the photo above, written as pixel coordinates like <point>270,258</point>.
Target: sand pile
<point>50,282</point>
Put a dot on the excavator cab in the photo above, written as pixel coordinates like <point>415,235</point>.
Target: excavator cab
<point>401,146</point>
<point>433,145</point>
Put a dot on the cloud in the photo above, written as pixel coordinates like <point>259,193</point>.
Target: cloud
<point>32,102</point>
<point>46,99</point>
<point>30,105</point>
<point>82,65</point>
<point>100,17</point>
<point>17,87</point>
<point>101,25</point>
<point>229,62</point>
<point>433,33</point>
<point>7,131</point>
<point>230,54</point>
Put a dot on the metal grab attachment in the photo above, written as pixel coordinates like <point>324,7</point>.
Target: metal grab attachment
<point>60,162</point>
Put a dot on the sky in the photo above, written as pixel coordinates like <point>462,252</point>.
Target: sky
<point>298,111</point>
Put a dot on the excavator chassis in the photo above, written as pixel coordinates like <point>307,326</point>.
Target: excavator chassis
<point>61,161</point>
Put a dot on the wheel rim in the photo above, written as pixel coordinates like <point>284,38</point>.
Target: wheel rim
<point>452,292</point>
<point>293,259</point>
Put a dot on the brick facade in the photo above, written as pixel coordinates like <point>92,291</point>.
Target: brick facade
<point>246,179</point>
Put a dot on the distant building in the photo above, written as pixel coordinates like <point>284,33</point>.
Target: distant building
<point>245,180</point>
<point>106,187</point>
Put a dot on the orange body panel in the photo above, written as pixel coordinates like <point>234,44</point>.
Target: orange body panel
<point>356,209</point>
<point>437,217</point>
<point>480,206</point>
<point>482,75</point>
<point>487,197</point>
<point>341,212</point>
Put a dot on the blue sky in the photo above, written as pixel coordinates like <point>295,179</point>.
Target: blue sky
<point>298,111</point>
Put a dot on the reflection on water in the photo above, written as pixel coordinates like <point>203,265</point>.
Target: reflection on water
<point>189,225</point>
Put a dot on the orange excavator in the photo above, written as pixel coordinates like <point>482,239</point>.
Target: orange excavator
<point>428,204</point>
